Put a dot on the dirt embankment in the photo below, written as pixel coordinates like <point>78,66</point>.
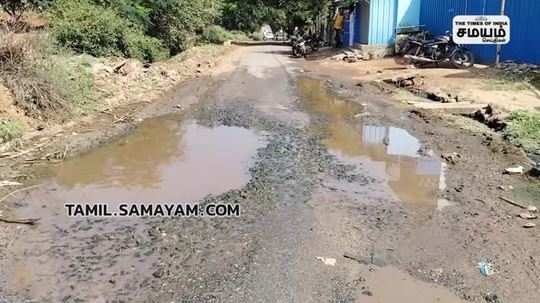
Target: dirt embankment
<point>121,87</point>
<point>126,87</point>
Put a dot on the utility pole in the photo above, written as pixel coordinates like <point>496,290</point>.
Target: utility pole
<point>499,47</point>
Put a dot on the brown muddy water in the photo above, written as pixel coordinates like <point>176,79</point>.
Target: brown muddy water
<point>389,153</point>
<point>166,159</point>
<point>390,285</point>
<point>171,159</point>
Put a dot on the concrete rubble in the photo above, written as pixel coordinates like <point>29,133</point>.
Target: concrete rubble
<point>350,55</point>
<point>491,117</point>
<point>518,68</point>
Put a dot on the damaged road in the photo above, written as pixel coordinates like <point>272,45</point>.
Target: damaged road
<point>344,198</point>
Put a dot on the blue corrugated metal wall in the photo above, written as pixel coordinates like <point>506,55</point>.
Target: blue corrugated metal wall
<point>346,32</point>
<point>525,31</point>
<point>382,23</point>
<point>524,15</point>
<point>357,24</point>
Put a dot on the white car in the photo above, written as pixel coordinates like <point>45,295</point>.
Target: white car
<point>268,35</point>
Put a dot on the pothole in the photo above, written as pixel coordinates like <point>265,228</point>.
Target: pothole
<point>390,153</point>
<point>166,160</point>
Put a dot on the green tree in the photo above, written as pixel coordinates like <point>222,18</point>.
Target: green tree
<point>177,22</point>
<point>249,15</point>
<point>16,8</point>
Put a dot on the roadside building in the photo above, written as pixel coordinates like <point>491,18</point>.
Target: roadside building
<point>372,25</point>
<point>524,16</point>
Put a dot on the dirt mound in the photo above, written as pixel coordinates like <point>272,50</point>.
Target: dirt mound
<point>491,117</point>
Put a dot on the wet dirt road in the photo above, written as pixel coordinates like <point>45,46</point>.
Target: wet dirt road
<point>329,196</point>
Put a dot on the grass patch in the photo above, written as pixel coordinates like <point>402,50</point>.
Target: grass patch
<point>524,130</point>
<point>45,85</point>
<point>10,129</point>
<point>514,81</point>
<point>506,84</point>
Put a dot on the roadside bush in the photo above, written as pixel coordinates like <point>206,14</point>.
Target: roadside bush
<point>15,9</point>
<point>12,52</point>
<point>43,84</point>
<point>524,129</point>
<point>257,36</point>
<point>10,129</point>
<point>239,35</point>
<point>87,28</point>
<point>178,22</point>
<point>144,48</point>
<point>100,31</point>
<point>216,34</point>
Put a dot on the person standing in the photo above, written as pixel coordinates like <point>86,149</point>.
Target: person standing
<point>339,21</point>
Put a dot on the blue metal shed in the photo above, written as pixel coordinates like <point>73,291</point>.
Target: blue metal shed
<point>524,15</point>
<point>382,21</point>
<point>374,22</point>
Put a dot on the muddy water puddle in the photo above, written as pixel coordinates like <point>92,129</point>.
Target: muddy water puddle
<point>389,153</point>
<point>167,159</point>
<point>164,160</point>
<point>390,285</point>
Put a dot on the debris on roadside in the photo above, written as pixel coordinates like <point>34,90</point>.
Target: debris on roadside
<point>514,203</point>
<point>451,158</point>
<point>529,225</point>
<point>368,293</point>
<point>517,68</point>
<point>411,84</point>
<point>128,67</point>
<point>402,81</point>
<point>9,183</point>
<point>327,261</point>
<point>492,298</point>
<point>367,260</point>
<point>528,216</point>
<point>486,268</point>
<point>535,171</point>
<point>505,188</point>
<point>490,117</point>
<point>30,221</point>
<point>516,170</point>
<point>350,56</point>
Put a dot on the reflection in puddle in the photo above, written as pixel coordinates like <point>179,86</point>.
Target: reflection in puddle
<point>389,151</point>
<point>164,160</point>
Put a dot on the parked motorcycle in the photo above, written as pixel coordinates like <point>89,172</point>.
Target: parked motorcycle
<point>301,46</point>
<point>438,50</point>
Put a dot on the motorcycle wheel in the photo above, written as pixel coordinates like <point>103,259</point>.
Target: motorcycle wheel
<point>462,59</point>
<point>303,52</point>
<point>412,50</point>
